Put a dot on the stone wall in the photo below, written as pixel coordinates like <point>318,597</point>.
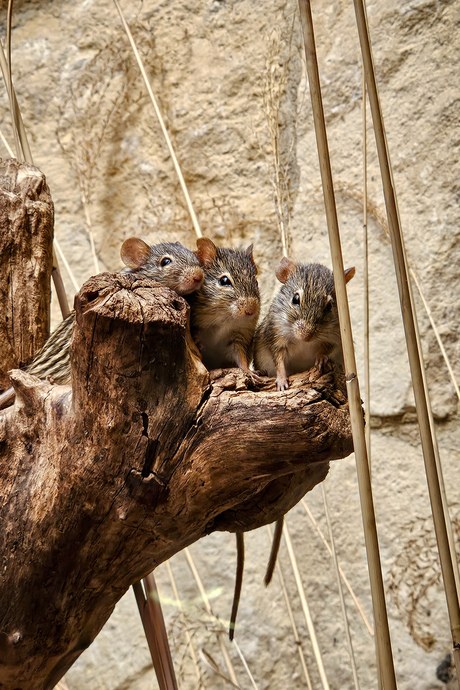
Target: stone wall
<point>229,77</point>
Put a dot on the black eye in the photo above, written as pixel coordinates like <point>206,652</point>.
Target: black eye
<point>225,280</point>
<point>296,298</point>
<point>328,306</point>
<point>165,261</point>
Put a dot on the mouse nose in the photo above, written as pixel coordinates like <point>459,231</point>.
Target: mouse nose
<point>250,307</point>
<point>198,276</point>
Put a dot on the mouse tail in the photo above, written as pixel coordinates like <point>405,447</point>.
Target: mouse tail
<point>274,551</point>
<point>238,582</point>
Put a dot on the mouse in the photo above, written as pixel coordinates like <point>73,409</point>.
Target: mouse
<point>225,309</point>
<point>300,330</point>
<point>224,314</point>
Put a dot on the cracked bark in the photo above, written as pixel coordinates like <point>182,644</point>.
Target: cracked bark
<point>26,262</point>
<point>146,453</point>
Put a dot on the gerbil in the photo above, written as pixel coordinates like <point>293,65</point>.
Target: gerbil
<point>169,264</point>
<point>223,321</point>
<point>224,311</point>
<point>300,330</point>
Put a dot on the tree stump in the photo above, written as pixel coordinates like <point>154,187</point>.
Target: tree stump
<point>146,453</point>
<point>26,262</point>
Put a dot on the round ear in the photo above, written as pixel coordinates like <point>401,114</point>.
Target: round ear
<point>134,253</point>
<point>349,273</point>
<point>285,268</point>
<point>205,252</point>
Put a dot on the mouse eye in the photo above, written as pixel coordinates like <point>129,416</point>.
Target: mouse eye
<point>225,280</point>
<point>296,298</point>
<point>165,261</point>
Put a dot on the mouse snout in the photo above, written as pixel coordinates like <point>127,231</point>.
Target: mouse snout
<point>248,306</point>
<point>304,331</point>
<point>192,281</point>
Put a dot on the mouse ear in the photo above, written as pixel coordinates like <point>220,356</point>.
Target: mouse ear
<point>349,273</point>
<point>206,251</point>
<point>248,252</point>
<point>134,252</point>
<point>285,268</point>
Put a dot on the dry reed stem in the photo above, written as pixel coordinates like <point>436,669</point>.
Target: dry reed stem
<point>354,397</point>
<point>14,118</point>
<point>273,91</point>
<point>155,632</point>
<point>12,97</point>
<point>339,587</point>
<point>342,574</point>
<point>436,332</point>
<point>413,346</point>
<point>66,265</point>
<point>161,121</point>
<point>297,639</point>
<point>6,144</point>
<point>207,605</point>
<point>305,608</point>
<point>187,633</point>
<point>367,358</point>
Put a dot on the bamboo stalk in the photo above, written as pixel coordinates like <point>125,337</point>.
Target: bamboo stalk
<point>341,597</point>
<point>342,574</point>
<point>354,397</point>
<point>297,639</point>
<point>161,121</point>
<point>187,634</point>
<point>155,632</point>
<point>367,358</point>
<point>409,319</point>
<point>204,596</point>
<point>306,609</point>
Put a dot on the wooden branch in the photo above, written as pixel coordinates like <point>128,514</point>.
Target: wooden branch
<point>145,454</point>
<point>26,262</point>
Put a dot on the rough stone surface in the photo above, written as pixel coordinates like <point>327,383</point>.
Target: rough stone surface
<point>217,68</point>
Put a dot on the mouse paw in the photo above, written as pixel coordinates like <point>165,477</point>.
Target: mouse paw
<point>282,383</point>
<point>321,362</point>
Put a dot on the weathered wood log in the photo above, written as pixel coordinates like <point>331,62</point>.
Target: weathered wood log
<point>26,262</point>
<point>145,454</point>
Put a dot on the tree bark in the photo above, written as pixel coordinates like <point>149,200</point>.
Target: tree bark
<point>26,262</point>
<point>146,453</point>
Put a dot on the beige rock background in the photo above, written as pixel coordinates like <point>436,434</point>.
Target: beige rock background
<point>229,77</point>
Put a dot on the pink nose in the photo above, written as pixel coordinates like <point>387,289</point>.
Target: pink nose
<point>250,311</point>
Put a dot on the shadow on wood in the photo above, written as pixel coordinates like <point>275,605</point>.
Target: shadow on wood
<point>145,454</point>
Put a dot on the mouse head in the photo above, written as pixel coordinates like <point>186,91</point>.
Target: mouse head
<point>230,288</point>
<point>306,302</point>
<point>168,263</point>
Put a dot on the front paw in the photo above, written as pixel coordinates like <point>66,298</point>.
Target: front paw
<point>321,362</point>
<point>282,383</point>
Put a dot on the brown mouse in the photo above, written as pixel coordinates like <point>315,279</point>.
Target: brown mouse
<point>224,311</point>
<point>300,330</point>
<point>223,321</point>
<point>170,264</point>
